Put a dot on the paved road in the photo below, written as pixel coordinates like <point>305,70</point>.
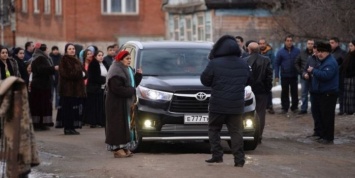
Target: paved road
<point>285,152</point>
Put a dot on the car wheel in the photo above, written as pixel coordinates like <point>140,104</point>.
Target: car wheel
<point>251,145</point>
<point>137,141</point>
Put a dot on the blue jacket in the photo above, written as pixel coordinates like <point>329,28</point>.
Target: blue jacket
<point>227,75</point>
<point>326,76</point>
<point>286,60</point>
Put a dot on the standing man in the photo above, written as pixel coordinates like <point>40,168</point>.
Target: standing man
<point>339,56</point>
<point>29,48</point>
<point>262,81</point>
<point>285,59</point>
<point>313,61</point>
<point>300,64</point>
<point>325,86</point>
<point>227,74</point>
<point>110,57</point>
<point>266,50</point>
<point>56,57</point>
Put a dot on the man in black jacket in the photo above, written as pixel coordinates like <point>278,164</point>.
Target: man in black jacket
<point>228,75</point>
<point>339,56</point>
<point>262,81</point>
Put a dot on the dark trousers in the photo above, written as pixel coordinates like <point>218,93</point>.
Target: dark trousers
<point>324,111</point>
<point>316,120</point>
<point>235,128</point>
<point>286,85</point>
<point>260,107</point>
<point>269,101</point>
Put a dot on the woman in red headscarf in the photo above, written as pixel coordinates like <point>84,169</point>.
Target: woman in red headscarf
<point>121,86</point>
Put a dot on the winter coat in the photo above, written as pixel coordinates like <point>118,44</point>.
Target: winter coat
<point>119,99</point>
<point>227,74</point>
<point>71,77</point>
<point>108,60</point>
<point>301,60</point>
<point>14,109</point>
<point>269,53</point>
<point>285,60</point>
<point>261,73</point>
<point>22,67</point>
<point>314,62</point>
<point>42,70</point>
<point>95,80</point>
<point>347,69</point>
<point>339,55</point>
<point>326,76</point>
<point>56,61</point>
<point>12,67</point>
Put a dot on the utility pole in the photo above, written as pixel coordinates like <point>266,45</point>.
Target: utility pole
<point>2,21</point>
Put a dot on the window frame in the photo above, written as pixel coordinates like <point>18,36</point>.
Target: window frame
<point>58,7</point>
<point>47,7</point>
<point>123,8</point>
<point>24,6</point>
<point>36,9</point>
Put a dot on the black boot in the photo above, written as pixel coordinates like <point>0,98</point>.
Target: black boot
<point>215,160</point>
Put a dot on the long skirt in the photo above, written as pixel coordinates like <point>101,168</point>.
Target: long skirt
<point>349,95</point>
<point>94,109</point>
<point>41,107</point>
<point>70,113</point>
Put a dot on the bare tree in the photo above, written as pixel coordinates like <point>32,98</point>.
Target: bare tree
<point>318,19</point>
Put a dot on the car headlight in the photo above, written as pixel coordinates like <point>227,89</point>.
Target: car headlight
<point>150,94</point>
<point>247,93</point>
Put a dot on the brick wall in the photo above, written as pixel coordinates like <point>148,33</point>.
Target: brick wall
<point>249,27</point>
<point>82,22</point>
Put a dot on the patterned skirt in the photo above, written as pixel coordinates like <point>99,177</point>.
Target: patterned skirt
<point>349,95</point>
<point>70,112</point>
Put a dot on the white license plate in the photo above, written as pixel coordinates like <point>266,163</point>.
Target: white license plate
<point>196,119</point>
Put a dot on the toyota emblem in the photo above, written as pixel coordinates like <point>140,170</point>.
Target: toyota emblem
<point>201,96</point>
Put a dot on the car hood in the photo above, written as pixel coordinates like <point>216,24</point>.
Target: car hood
<point>173,83</point>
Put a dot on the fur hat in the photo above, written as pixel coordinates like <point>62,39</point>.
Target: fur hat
<point>121,55</point>
<point>324,47</point>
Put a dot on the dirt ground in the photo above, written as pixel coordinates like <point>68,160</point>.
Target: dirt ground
<point>285,152</point>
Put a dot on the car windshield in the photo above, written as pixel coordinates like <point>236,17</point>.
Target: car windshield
<point>164,62</point>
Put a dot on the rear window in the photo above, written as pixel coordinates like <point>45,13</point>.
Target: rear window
<point>163,62</point>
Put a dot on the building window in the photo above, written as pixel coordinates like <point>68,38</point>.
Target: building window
<point>47,6</point>
<point>58,7</point>
<point>35,6</point>
<point>188,26</point>
<point>24,6</point>
<point>125,7</point>
<point>200,28</point>
<point>176,28</point>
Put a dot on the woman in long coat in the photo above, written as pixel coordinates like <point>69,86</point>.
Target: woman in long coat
<point>42,79</point>
<point>71,92</point>
<point>121,83</point>
<point>347,70</point>
<point>97,72</point>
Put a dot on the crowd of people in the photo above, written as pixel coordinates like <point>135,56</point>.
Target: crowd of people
<point>78,81</point>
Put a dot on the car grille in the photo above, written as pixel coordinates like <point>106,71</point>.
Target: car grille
<point>183,104</point>
<point>189,104</point>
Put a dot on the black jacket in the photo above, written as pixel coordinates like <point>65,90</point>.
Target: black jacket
<point>227,74</point>
<point>56,60</point>
<point>261,73</point>
<point>339,55</point>
<point>301,60</point>
<point>22,67</point>
<point>95,80</point>
<point>42,71</point>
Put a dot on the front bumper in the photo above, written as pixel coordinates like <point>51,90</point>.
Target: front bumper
<point>170,126</point>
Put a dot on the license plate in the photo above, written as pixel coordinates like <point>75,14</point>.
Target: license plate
<point>196,119</point>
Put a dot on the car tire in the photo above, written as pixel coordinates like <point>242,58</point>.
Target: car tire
<point>138,144</point>
<point>251,145</point>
